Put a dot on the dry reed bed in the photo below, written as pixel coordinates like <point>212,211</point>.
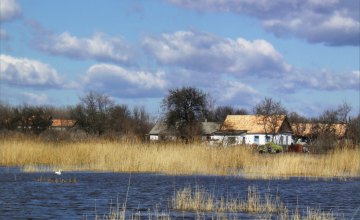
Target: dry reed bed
<point>266,207</point>
<point>101,155</point>
<point>205,205</point>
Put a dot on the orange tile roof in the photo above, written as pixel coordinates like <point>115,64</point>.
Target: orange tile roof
<point>251,123</point>
<point>63,123</point>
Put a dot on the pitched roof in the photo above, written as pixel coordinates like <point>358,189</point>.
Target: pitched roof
<point>62,123</point>
<point>209,127</point>
<point>253,124</point>
<point>161,128</point>
<point>308,129</point>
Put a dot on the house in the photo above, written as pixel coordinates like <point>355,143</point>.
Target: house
<point>162,132</point>
<point>255,129</point>
<point>62,124</point>
<point>304,132</point>
<point>208,131</point>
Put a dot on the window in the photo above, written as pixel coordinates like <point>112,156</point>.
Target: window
<point>281,140</point>
<point>267,138</point>
<point>256,139</point>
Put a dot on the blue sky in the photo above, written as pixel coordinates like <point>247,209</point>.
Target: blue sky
<point>304,53</point>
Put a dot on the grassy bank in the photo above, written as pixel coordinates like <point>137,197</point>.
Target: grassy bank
<point>116,156</point>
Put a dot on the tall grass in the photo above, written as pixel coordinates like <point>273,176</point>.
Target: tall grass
<point>203,204</point>
<point>173,158</point>
<point>188,199</point>
<point>264,207</point>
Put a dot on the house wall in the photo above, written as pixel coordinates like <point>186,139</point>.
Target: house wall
<point>154,137</point>
<point>281,139</point>
<point>227,140</point>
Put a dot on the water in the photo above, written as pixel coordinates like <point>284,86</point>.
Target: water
<point>23,197</point>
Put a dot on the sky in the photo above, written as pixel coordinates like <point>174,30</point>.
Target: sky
<point>304,53</point>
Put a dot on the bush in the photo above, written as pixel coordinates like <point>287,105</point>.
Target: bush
<point>270,147</point>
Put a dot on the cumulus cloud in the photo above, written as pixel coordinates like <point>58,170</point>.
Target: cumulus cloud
<point>207,53</point>
<point>229,92</point>
<point>27,72</point>
<point>321,80</point>
<point>121,82</point>
<point>99,47</point>
<point>333,22</point>
<point>9,9</point>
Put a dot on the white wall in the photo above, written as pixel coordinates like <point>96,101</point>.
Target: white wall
<point>281,139</point>
<point>154,137</point>
<point>226,140</point>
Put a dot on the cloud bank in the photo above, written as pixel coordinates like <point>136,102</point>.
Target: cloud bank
<point>9,9</point>
<point>29,73</point>
<point>125,83</point>
<point>204,52</point>
<point>99,47</point>
<point>332,22</point>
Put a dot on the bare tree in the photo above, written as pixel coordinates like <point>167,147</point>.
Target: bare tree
<point>6,115</point>
<point>120,119</point>
<point>353,132</point>
<point>270,112</point>
<point>33,119</point>
<point>141,122</point>
<point>184,109</point>
<point>298,124</point>
<point>92,112</point>
<point>343,111</point>
<point>220,113</point>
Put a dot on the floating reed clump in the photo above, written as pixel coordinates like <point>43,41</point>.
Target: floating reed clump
<point>260,207</point>
<point>188,199</point>
<point>56,180</point>
<point>175,158</point>
<point>205,205</point>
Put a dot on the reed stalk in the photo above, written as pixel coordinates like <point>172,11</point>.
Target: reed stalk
<point>174,159</point>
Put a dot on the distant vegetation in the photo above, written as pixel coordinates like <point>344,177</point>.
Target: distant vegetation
<point>173,158</point>
<point>96,115</point>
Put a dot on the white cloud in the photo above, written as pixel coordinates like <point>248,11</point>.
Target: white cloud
<point>320,80</point>
<point>27,72</point>
<point>230,92</point>
<point>207,53</point>
<point>333,22</point>
<point>99,47</point>
<point>9,9</point>
<point>121,82</point>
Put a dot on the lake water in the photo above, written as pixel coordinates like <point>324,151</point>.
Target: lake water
<point>22,196</point>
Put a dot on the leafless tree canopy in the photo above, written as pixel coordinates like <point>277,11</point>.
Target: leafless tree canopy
<point>184,109</point>
<point>220,113</point>
<point>271,113</point>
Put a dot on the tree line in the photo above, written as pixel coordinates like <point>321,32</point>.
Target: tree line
<point>183,109</point>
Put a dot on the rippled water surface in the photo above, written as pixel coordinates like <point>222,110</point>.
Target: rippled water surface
<point>22,196</point>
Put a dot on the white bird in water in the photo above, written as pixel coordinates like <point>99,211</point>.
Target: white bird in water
<point>58,172</point>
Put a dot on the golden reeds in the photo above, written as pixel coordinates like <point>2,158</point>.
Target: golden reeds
<point>174,158</point>
<point>198,199</point>
<point>205,205</point>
